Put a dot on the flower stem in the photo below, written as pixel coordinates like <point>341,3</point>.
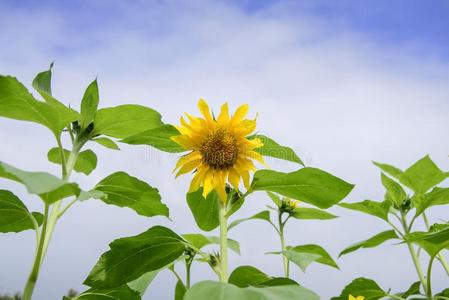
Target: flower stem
<point>413,254</point>
<point>223,243</point>
<point>48,226</point>
<point>282,237</point>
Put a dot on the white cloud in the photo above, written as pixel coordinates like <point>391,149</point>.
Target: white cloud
<point>335,96</point>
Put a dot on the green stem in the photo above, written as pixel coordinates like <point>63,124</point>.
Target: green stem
<point>32,278</point>
<point>49,224</point>
<point>429,274</point>
<point>283,247</point>
<point>440,256</point>
<point>412,251</point>
<point>188,266</point>
<point>223,243</point>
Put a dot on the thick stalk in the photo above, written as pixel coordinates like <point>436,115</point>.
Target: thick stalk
<point>48,227</point>
<point>223,243</point>
<point>440,255</point>
<point>188,267</point>
<point>413,254</point>
<point>32,278</point>
<point>285,261</point>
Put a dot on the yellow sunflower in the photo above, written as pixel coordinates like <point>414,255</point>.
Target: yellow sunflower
<point>220,151</point>
<point>351,297</point>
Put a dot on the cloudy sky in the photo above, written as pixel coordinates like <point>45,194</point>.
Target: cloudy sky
<point>343,83</point>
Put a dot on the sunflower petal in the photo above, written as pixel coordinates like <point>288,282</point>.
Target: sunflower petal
<point>223,118</point>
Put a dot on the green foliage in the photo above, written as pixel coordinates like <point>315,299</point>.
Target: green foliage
<point>14,215</point>
<point>309,213</point>
<point>395,193</point>
<point>206,290</point>
<point>108,143</point>
<point>246,276</point>
<point>362,287</point>
<point>273,149</point>
<point>85,163</point>
<point>123,190</point>
<point>122,292</point>
<point>131,257</point>
<point>432,241</point>
<point>309,185</point>
<point>205,211</point>
<point>89,104</point>
<point>48,187</point>
<point>180,290</point>
<point>263,215</point>
<point>377,209</point>
<point>304,255</point>
<point>372,242</point>
<point>198,241</point>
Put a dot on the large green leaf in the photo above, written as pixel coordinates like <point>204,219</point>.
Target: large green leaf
<point>412,290</point>
<point>371,242</point>
<point>105,142</point>
<point>89,104</point>
<point>390,170</point>
<point>50,188</point>
<point>273,149</point>
<point>125,120</point>
<point>131,257</point>
<point>16,102</point>
<point>118,293</point>
<point>395,192</point>
<point>207,290</point>
<point>434,240</point>
<point>438,196</point>
<point>85,163</point>
<point>205,211</point>
<point>422,176</point>
<point>362,287</point>
<point>141,284</point>
<point>123,190</point>
<point>309,185</point>
<point>303,255</point>
<point>199,241</point>
<point>159,138</point>
<point>263,215</point>
<point>14,215</point>
<point>377,209</point>
<point>180,290</point>
<point>246,276</point>
<point>309,213</point>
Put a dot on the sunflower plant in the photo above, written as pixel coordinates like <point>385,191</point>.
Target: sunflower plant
<point>409,195</point>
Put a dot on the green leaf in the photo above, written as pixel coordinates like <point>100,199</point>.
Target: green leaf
<point>444,293</point>
<point>207,290</point>
<point>263,215</point>
<point>390,170</point>
<point>309,185</point>
<point>371,242</point>
<point>123,190</point>
<point>273,149</point>
<point>159,138</point>
<point>275,198</point>
<point>438,196</point>
<point>308,213</point>
<point>131,257</point>
<point>125,120</point>
<point>50,188</point>
<point>89,104</point>
<point>199,241</point>
<point>92,194</point>
<point>205,211</point>
<point>85,163</point>
<point>142,283</point>
<point>362,287</point>
<point>412,290</point>
<point>14,215</point>
<point>303,255</point>
<point>395,192</point>
<point>122,292</point>
<point>377,209</point>
<point>422,175</point>
<point>180,290</point>
<point>108,143</point>
<point>16,102</point>
<point>433,241</point>
<point>246,276</point>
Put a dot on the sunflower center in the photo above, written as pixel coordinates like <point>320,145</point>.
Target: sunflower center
<point>219,149</point>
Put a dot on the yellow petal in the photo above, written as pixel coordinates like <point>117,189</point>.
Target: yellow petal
<point>223,118</point>
<point>190,166</point>
<point>245,176</point>
<point>197,179</point>
<point>208,182</point>
<point>240,113</point>
<point>204,109</point>
<point>220,185</point>
<point>234,178</point>
<point>194,155</point>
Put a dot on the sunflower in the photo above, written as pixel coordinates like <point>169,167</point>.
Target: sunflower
<point>220,150</point>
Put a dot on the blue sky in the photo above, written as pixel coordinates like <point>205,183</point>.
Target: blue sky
<point>341,82</point>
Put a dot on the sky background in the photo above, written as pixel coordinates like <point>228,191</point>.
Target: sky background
<point>341,82</point>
